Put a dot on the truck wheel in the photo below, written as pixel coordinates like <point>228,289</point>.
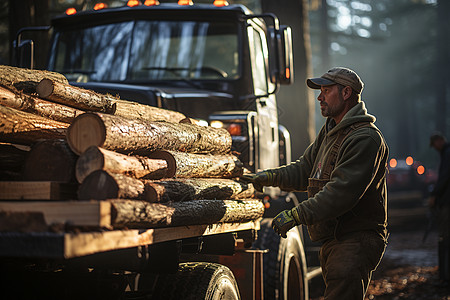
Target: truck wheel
<point>284,266</point>
<point>197,281</point>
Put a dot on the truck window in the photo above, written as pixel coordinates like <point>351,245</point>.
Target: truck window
<point>149,50</point>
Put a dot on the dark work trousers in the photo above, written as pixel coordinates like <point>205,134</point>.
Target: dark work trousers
<point>444,243</point>
<point>347,264</point>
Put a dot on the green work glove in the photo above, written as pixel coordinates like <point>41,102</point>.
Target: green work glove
<point>260,179</point>
<point>285,221</point>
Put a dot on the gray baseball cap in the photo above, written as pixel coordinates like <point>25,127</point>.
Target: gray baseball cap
<point>341,75</point>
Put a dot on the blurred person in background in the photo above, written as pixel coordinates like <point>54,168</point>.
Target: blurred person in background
<point>440,201</point>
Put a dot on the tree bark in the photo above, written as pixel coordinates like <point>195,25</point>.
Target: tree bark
<point>187,189</point>
<point>102,185</point>
<point>136,111</point>
<point>140,137</point>
<point>24,128</point>
<point>50,160</point>
<point>96,158</point>
<point>25,79</point>
<point>18,100</point>
<point>189,165</point>
<point>140,214</point>
<point>75,97</point>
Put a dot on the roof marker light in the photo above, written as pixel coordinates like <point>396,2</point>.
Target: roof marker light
<point>151,2</point>
<point>220,3</point>
<point>185,2</point>
<point>71,11</point>
<point>132,3</point>
<point>100,5</point>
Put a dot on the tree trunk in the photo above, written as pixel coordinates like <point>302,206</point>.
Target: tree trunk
<point>26,79</point>
<point>50,160</point>
<point>24,128</point>
<point>140,214</point>
<point>75,97</point>
<point>185,165</point>
<point>186,189</point>
<point>140,137</point>
<point>95,158</point>
<point>12,160</point>
<point>35,105</point>
<point>102,185</point>
<point>136,111</point>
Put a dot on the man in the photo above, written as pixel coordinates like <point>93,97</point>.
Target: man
<point>344,172</point>
<point>440,200</point>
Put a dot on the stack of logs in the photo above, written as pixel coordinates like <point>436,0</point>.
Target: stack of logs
<point>155,166</point>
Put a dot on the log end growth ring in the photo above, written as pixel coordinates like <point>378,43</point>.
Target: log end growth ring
<point>85,131</point>
<point>171,162</point>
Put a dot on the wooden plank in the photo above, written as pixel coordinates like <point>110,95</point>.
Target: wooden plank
<point>89,243</point>
<point>70,245</point>
<point>76,213</point>
<point>37,190</point>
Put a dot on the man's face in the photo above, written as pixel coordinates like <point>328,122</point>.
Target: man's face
<point>331,102</point>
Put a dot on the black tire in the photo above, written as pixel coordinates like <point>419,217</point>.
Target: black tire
<point>197,281</point>
<point>284,265</point>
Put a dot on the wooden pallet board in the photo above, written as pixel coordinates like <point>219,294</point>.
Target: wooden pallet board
<point>70,245</point>
<point>37,190</point>
<point>76,213</point>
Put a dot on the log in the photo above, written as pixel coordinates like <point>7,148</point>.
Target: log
<point>140,214</point>
<point>141,138</point>
<point>25,79</point>
<point>96,158</point>
<point>50,160</point>
<point>12,160</point>
<point>101,185</point>
<point>24,128</point>
<point>136,111</point>
<point>187,189</point>
<point>190,165</point>
<point>18,100</point>
<point>74,96</point>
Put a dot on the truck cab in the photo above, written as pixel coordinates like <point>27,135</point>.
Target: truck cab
<point>219,65</point>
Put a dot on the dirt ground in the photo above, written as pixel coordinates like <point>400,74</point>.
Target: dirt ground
<point>409,267</point>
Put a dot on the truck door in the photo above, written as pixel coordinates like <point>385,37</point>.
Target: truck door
<point>265,104</point>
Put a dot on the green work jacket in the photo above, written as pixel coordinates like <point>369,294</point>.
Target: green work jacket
<point>355,196</point>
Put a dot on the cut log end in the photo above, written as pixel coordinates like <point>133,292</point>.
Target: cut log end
<point>45,88</point>
<point>85,131</point>
<point>91,160</point>
<point>99,185</point>
<point>171,162</point>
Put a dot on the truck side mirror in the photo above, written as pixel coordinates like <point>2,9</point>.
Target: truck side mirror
<point>23,54</point>
<point>280,46</point>
<point>286,63</point>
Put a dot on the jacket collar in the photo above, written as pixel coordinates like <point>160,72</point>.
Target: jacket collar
<point>356,114</point>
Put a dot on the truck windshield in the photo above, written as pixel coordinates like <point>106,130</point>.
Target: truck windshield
<point>147,50</point>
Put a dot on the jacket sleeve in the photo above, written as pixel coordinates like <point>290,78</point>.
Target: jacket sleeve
<point>294,177</point>
<point>444,175</point>
<point>360,157</point>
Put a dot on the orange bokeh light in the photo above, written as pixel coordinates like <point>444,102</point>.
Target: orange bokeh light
<point>100,5</point>
<point>420,170</point>
<point>409,160</point>
<point>393,163</point>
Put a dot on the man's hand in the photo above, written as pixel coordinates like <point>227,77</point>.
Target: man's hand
<point>260,179</point>
<point>283,222</point>
<point>431,201</point>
